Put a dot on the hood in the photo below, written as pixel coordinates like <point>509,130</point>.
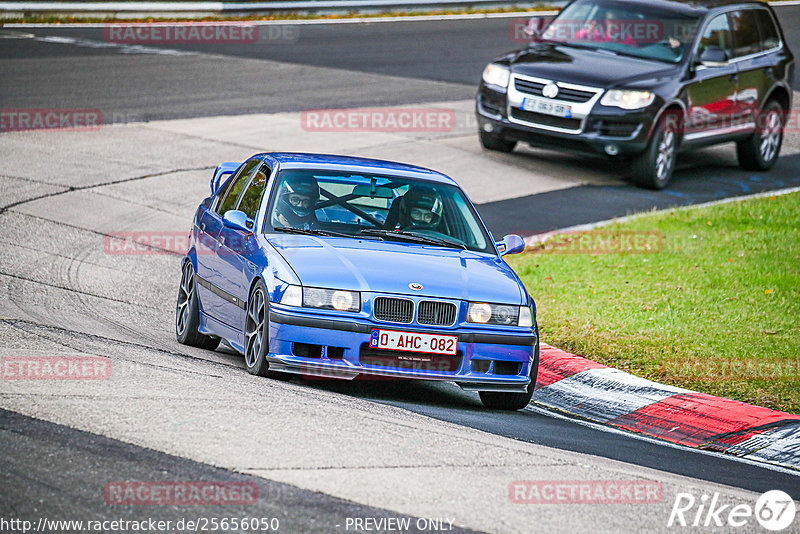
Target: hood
<point>389,267</point>
<point>586,67</point>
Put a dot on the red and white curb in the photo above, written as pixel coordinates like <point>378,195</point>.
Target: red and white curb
<point>570,384</point>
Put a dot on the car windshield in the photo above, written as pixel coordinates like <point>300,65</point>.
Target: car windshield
<point>624,28</point>
<point>375,207</point>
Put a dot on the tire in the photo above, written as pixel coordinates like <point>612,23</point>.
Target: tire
<point>513,401</point>
<point>187,313</point>
<point>652,169</point>
<point>760,151</point>
<point>256,332</point>
<point>491,142</point>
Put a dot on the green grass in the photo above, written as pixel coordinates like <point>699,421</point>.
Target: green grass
<point>719,292</point>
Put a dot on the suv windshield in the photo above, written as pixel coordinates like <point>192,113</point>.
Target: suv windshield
<point>624,28</point>
<point>375,207</point>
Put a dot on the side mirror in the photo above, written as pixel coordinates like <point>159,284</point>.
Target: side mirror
<point>223,169</point>
<point>511,244</point>
<point>536,26</point>
<point>238,221</point>
<point>714,57</point>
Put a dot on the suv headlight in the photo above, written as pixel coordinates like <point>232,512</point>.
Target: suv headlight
<point>327,299</point>
<point>502,314</point>
<point>627,99</point>
<point>495,74</point>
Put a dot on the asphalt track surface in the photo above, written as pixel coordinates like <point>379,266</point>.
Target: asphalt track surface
<point>329,65</point>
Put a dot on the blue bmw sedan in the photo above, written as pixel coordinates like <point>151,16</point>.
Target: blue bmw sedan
<point>336,267</point>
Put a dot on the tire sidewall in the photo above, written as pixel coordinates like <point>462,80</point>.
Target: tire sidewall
<point>260,365</point>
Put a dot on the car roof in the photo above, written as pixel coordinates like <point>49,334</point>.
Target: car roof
<point>333,162</point>
<point>695,7</point>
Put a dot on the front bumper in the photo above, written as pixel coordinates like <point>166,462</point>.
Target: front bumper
<point>320,345</point>
<point>592,131</point>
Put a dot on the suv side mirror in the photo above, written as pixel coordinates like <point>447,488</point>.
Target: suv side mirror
<point>222,170</point>
<point>511,244</point>
<point>238,221</point>
<point>714,57</point>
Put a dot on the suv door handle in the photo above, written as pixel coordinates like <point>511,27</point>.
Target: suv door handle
<point>202,227</point>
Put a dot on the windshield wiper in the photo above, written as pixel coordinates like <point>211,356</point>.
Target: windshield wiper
<point>309,231</point>
<point>412,237</point>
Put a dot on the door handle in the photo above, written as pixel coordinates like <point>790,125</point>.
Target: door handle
<point>202,227</point>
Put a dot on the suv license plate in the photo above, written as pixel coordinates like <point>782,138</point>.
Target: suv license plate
<point>413,342</point>
<point>547,107</point>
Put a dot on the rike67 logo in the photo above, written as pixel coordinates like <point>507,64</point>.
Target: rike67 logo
<point>774,510</point>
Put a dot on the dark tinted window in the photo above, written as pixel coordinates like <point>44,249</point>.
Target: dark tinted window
<point>251,198</point>
<point>717,35</point>
<point>769,33</point>
<point>236,185</point>
<point>745,33</point>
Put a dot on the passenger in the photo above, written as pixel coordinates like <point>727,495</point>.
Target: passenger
<point>420,208</point>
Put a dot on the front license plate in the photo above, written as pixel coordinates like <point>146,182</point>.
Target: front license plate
<point>413,342</point>
<point>547,107</point>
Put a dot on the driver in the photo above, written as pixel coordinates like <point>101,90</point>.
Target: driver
<point>420,208</point>
<point>297,202</point>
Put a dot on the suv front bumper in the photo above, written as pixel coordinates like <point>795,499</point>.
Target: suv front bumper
<point>605,131</point>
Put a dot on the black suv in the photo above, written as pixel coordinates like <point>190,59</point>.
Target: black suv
<point>643,80</point>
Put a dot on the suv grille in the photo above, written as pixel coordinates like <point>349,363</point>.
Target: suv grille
<point>564,94</point>
<point>436,313</point>
<point>393,310</point>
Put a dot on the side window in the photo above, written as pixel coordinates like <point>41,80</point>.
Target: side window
<point>236,185</point>
<point>251,198</point>
<point>717,35</point>
<point>745,33</point>
<point>770,38</point>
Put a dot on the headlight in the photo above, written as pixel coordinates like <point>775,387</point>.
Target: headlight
<point>293,296</point>
<point>628,99</point>
<point>481,312</point>
<point>331,299</point>
<point>495,74</point>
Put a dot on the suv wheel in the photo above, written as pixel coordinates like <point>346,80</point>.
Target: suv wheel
<point>653,168</point>
<point>759,152</point>
<point>492,142</point>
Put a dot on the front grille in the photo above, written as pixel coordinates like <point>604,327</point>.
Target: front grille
<point>564,94</point>
<point>393,310</point>
<point>410,361</point>
<point>546,120</point>
<point>437,313</point>
<point>616,128</point>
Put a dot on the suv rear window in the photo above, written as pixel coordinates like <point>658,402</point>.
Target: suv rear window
<point>745,33</point>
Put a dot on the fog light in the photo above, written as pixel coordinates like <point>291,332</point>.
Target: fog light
<point>488,127</point>
<point>612,150</point>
